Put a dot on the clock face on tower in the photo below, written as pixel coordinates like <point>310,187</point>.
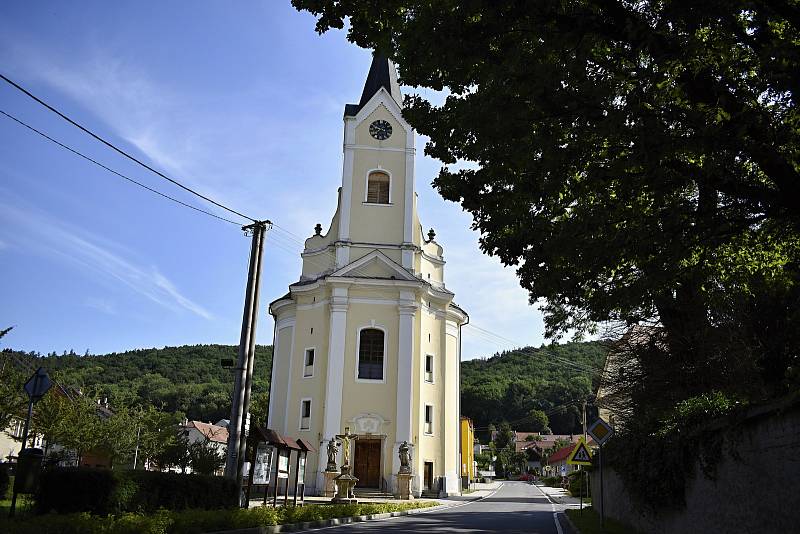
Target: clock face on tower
<point>380,130</point>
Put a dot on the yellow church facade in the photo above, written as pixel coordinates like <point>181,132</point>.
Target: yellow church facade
<point>368,340</point>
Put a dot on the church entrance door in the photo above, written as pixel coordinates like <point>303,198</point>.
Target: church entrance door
<point>368,463</point>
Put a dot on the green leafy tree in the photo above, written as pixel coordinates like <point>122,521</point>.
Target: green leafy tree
<point>205,458</point>
<point>535,421</point>
<point>12,397</point>
<point>637,162</point>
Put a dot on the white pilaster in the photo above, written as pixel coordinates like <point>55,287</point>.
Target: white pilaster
<point>408,226</point>
<point>342,254</point>
<point>405,365</point>
<point>347,179</point>
<point>335,377</point>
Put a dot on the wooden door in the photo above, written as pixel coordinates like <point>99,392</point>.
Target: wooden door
<point>428,475</point>
<point>368,463</point>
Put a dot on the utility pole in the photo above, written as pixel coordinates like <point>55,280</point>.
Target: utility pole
<point>237,438</point>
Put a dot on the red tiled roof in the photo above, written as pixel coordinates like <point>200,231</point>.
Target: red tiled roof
<point>560,454</point>
<point>212,432</point>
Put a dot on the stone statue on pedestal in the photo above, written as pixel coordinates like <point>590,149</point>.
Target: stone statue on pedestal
<point>405,457</point>
<point>333,450</point>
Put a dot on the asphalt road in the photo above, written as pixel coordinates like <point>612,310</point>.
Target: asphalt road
<point>515,507</point>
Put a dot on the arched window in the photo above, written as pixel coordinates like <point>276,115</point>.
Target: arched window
<point>370,354</point>
<point>378,188</point>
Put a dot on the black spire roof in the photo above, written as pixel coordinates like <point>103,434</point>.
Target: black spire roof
<point>381,74</point>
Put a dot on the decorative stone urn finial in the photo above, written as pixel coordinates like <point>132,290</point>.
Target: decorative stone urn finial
<point>318,229</point>
<point>431,235</point>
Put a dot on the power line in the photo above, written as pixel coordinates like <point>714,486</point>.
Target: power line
<point>84,156</point>
<point>120,151</point>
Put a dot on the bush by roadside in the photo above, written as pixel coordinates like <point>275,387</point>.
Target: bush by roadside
<point>195,521</point>
<point>578,484</point>
<point>103,491</point>
<point>553,482</point>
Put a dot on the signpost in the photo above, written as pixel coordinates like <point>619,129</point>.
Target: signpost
<point>29,461</point>
<point>580,455</point>
<point>601,432</point>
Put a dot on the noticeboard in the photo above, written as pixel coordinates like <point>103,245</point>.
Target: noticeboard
<point>283,463</point>
<point>263,464</point>
<point>301,470</point>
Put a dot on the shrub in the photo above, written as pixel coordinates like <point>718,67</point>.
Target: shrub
<point>103,492</point>
<point>577,484</point>
<point>193,521</point>
<point>553,482</point>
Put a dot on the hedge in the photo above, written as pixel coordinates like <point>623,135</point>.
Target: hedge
<point>103,491</point>
<point>195,521</point>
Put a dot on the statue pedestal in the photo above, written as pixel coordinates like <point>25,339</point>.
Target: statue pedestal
<point>329,490</point>
<point>345,483</point>
<point>404,486</point>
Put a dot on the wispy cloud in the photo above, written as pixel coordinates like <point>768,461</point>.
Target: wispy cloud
<point>56,239</point>
<point>101,304</point>
<point>3,245</point>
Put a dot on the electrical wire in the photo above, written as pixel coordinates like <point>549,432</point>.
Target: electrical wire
<point>120,151</point>
<point>112,171</point>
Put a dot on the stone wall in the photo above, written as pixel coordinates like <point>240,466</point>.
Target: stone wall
<point>757,491</point>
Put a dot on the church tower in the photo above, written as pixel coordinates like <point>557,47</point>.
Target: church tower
<point>369,338</point>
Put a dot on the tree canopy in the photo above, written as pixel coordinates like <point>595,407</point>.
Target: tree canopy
<point>188,379</point>
<point>636,161</point>
<point>533,389</point>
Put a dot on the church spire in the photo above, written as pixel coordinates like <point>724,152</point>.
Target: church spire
<point>382,73</point>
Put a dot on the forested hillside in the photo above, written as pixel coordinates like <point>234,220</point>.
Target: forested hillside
<point>552,379</point>
<point>188,379</point>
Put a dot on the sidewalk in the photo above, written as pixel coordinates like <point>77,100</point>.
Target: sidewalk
<point>561,496</point>
<point>481,491</point>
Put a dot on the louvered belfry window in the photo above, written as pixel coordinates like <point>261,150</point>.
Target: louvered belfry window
<point>378,188</point>
<point>370,354</point>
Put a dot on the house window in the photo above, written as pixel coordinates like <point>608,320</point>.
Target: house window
<point>378,188</point>
<point>370,354</point>
<point>305,414</point>
<point>428,419</point>
<point>429,368</point>
<point>308,363</point>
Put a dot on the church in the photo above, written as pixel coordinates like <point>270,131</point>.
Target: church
<point>368,341</point>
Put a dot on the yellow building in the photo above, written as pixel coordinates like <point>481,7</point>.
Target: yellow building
<point>369,338</point>
<point>467,450</point>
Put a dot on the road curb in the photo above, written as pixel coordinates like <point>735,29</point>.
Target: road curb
<point>573,529</point>
<point>329,523</point>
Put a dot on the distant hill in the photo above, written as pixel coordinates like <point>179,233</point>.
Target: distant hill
<point>188,379</point>
<point>508,385</point>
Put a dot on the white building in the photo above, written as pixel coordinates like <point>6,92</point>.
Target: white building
<point>369,338</point>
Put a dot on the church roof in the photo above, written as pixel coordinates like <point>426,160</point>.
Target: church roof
<point>382,73</point>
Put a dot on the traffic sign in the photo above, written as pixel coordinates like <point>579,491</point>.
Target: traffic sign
<point>38,384</point>
<point>580,455</point>
<point>600,431</point>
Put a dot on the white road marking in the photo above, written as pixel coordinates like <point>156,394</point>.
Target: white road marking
<point>558,525</point>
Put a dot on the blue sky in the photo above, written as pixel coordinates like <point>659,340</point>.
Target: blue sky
<point>242,101</point>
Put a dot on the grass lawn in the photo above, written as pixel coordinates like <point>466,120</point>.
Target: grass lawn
<point>588,522</point>
<point>194,521</point>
